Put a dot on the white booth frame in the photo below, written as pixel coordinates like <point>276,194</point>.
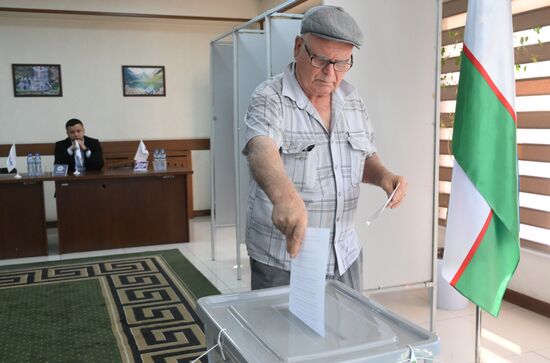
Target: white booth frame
<point>425,276</point>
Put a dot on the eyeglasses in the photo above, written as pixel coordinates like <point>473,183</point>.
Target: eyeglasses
<point>321,62</point>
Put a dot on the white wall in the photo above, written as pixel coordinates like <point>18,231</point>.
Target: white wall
<point>265,5</point>
<point>531,277</point>
<point>91,51</point>
<point>217,8</point>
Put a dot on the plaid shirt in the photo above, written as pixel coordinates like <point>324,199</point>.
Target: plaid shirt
<point>325,167</point>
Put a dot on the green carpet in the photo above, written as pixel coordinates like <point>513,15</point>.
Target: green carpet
<point>122,308</point>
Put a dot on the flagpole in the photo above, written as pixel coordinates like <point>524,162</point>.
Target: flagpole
<point>478,335</point>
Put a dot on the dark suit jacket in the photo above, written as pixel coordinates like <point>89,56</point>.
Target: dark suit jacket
<point>94,162</point>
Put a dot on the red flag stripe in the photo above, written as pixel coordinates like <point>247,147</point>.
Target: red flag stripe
<point>490,82</point>
<point>473,249</point>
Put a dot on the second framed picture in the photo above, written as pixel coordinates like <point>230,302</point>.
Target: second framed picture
<point>143,81</point>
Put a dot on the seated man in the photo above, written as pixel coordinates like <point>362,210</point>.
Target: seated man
<point>65,150</point>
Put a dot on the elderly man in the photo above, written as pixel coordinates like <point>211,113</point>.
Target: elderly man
<point>310,144</point>
<point>91,154</point>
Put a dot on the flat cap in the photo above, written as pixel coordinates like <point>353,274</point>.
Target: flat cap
<point>332,22</point>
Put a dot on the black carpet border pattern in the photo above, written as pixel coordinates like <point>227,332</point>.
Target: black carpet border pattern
<point>151,309</point>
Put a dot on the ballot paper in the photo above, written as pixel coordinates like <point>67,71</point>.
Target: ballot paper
<point>307,279</point>
<point>381,209</point>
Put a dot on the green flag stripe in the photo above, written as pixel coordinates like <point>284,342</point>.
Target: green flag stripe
<point>484,144</point>
<point>485,278</point>
<point>490,82</point>
<point>473,250</point>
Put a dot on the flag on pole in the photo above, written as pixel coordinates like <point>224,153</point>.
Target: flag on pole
<point>482,236</point>
<point>12,159</point>
<point>141,153</point>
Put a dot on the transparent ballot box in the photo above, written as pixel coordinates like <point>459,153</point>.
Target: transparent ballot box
<point>258,327</point>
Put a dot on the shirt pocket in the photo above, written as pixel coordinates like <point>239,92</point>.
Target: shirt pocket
<point>358,148</point>
<point>300,161</point>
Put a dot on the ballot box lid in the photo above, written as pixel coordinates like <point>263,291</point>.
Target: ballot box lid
<point>258,327</point>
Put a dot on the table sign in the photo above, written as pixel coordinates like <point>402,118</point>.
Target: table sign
<point>60,169</point>
<point>141,165</point>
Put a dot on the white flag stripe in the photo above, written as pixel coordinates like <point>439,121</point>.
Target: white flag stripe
<point>480,36</point>
<point>470,212</point>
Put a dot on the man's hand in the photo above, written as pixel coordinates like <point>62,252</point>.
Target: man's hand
<point>389,182</point>
<point>81,144</point>
<point>290,217</point>
<point>376,173</point>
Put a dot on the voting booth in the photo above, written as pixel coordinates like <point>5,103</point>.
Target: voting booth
<point>240,61</point>
<point>257,326</point>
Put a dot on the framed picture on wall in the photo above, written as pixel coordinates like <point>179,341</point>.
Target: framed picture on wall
<point>36,80</point>
<point>143,81</point>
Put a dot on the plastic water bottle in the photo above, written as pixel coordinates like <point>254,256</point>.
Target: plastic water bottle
<point>156,160</point>
<point>37,165</point>
<point>30,165</point>
<point>162,159</point>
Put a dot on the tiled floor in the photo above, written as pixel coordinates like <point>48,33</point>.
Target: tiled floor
<point>517,336</point>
